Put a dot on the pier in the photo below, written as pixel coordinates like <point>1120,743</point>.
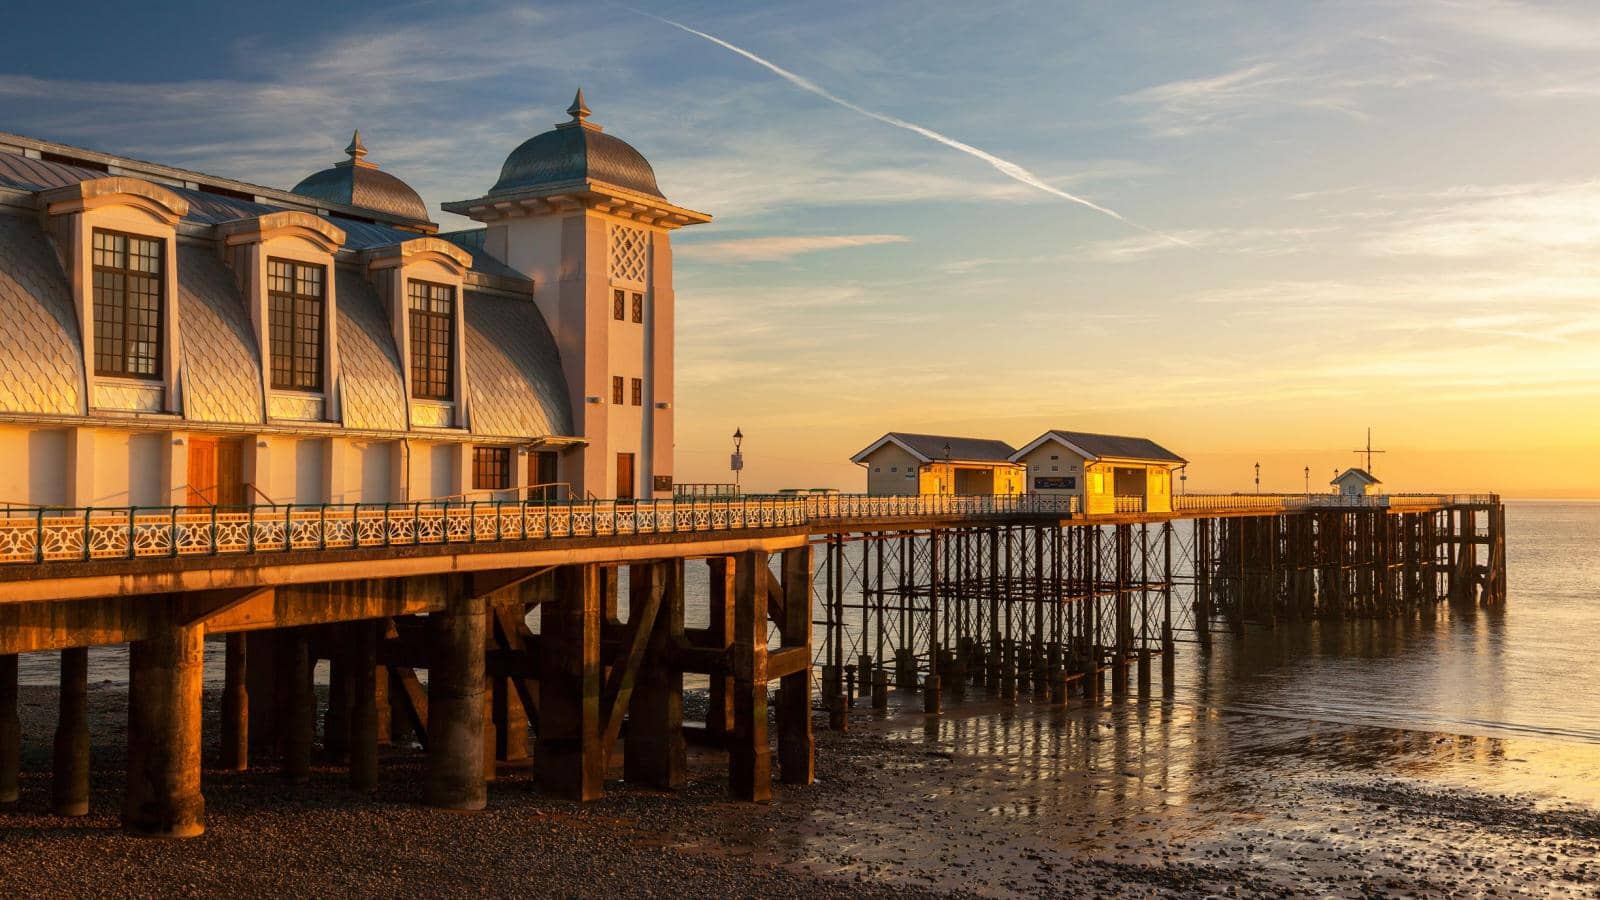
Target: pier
<point>423,612</point>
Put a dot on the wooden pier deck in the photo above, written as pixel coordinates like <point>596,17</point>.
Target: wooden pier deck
<point>1016,595</point>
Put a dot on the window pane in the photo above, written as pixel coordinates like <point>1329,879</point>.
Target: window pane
<point>294,301</point>
<point>128,301</point>
<point>432,339</point>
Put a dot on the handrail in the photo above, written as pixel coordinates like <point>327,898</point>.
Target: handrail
<point>55,534</point>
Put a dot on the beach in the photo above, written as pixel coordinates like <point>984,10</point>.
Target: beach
<point>1158,797</point>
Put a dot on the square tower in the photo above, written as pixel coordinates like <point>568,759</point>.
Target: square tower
<point>578,211</point>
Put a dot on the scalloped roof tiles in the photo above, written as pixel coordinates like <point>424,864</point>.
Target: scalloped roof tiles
<point>222,379</point>
<point>41,356</point>
<point>373,395</point>
<point>514,380</point>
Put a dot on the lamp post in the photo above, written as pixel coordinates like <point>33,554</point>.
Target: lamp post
<point>1308,481</point>
<point>736,462</point>
<point>1183,480</point>
<point>947,473</point>
<point>1258,478</point>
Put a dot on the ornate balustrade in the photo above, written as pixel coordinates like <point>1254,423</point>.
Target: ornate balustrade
<point>35,535</point>
<point>1221,503</point>
<point>46,535</point>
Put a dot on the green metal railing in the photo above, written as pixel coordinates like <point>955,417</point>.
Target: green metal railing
<point>56,534</point>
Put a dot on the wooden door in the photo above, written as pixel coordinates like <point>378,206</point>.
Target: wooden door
<point>542,471</point>
<point>625,476</point>
<point>202,471</point>
<point>230,474</point>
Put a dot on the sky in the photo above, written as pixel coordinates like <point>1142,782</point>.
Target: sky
<point>1249,231</point>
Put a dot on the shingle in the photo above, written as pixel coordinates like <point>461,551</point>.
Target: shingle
<point>373,394</point>
<point>41,357</point>
<point>222,378</point>
<point>514,377</point>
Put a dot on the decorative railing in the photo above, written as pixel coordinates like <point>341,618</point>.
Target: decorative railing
<point>48,535</point>
<point>1203,503</point>
<point>830,507</point>
<point>36,535</point>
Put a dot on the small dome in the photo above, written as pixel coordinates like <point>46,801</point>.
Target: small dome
<point>356,182</point>
<point>578,150</point>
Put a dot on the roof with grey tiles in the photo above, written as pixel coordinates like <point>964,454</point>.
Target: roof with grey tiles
<point>939,447</point>
<point>1117,446</point>
<point>208,208</point>
<point>41,355</point>
<point>514,380</point>
<point>373,395</point>
<point>222,380</point>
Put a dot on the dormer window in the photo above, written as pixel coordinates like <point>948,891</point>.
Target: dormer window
<point>432,339</point>
<point>128,312</point>
<point>295,300</point>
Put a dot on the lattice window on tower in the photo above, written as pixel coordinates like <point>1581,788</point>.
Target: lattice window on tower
<point>630,254</point>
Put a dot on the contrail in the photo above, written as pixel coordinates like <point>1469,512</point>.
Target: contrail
<point>1004,166</point>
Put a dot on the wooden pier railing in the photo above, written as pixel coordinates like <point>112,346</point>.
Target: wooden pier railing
<point>50,534</point>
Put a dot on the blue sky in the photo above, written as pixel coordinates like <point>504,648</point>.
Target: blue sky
<point>1358,214</point>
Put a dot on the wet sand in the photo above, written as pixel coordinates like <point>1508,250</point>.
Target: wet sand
<point>1151,798</point>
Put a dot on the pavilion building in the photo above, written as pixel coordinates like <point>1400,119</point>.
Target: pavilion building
<point>175,338</point>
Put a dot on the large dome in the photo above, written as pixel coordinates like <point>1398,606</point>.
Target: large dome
<point>578,150</point>
<point>356,182</point>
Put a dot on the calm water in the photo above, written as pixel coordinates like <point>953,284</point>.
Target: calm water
<point>1530,669</point>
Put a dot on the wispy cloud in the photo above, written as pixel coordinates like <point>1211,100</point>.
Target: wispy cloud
<point>1334,80</point>
<point>1498,220</point>
<point>1543,27</point>
<point>779,248</point>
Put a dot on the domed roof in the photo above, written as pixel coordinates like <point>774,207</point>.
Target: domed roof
<point>578,150</point>
<point>356,182</point>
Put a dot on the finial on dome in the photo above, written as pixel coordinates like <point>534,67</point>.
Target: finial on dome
<point>578,110</point>
<point>356,150</point>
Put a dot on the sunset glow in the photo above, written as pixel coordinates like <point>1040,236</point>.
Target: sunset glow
<point>1347,217</point>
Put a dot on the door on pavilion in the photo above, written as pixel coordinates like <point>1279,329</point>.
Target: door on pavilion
<point>216,472</point>
<point>542,476</point>
<point>625,476</point>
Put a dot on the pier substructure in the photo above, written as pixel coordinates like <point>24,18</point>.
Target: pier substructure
<point>1343,563</point>
<point>448,660</point>
<point>1047,608</point>
<point>163,795</point>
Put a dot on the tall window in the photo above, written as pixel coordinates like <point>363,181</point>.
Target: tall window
<point>491,468</point>
<point>127,304</point>
<point>619,300</point>
<point>295,322</point>
<point>638,392</point>
<point>433,339</point>
<point>616,390</point>
<point>638,308</point>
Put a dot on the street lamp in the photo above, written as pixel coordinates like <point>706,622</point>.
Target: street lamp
<point>736,462</point>
<point>1308,481</point>
<point>1258,478</point>
<point>1183,480</point>
<point>947,473</point>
